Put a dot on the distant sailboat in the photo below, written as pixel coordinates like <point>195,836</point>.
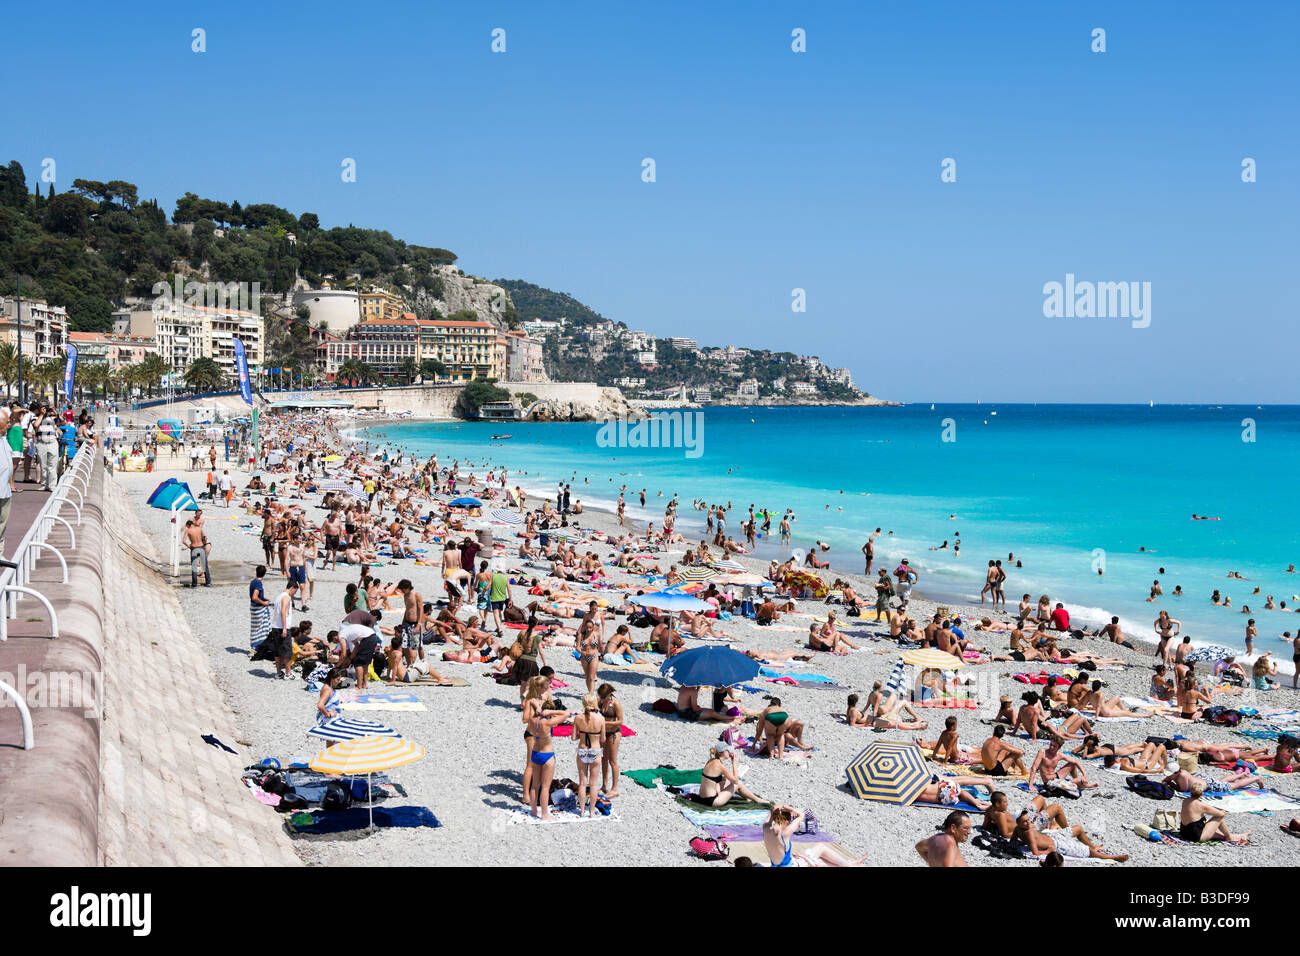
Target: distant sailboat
<point>1153,404</point>
<point>932,406</point>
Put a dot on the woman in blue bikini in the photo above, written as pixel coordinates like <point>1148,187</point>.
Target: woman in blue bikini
<point>782,823</point>
<point>542,755</point>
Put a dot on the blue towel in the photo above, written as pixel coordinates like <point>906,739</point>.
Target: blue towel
<point>358,818</point>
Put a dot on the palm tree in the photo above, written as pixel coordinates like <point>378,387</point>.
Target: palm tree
<point>355,371</point>
<point>204,375</point>
<point>151,371</point>
<point>8,366</point>
<point>410,370</point>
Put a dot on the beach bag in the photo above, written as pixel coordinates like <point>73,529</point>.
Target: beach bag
<point>1165,820</point>
<point>1151,789</point>
<point>516,649</point>
<point>336,796</point>
<point>810,824</point>
<point>604,805</point>
<point>1062,788</point>
<point>707,848</point>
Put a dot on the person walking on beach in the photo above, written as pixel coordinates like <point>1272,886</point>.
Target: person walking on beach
<point>1252,632</point>
<point>196,541</point>
<point>409,629</point>
<point>868,552</point>
<point>906,578</point>
<point>226,486</point>
<point>259,608</point>
<point>298,562</point>
<point>999,595</point>
<point>280,634</point>
<point>47,447</point>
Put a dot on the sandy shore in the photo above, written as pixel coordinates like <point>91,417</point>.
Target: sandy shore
<point>473,738</point>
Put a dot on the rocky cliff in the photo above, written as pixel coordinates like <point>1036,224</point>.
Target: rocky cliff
<point>484,299</point>
<point>607,404</point>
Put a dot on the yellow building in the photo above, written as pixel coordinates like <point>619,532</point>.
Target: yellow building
<point>379,304</point>
<point>468,349</point>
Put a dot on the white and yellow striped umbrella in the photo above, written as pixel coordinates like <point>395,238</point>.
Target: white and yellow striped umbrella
<point>366,755</point>
<point>930,657</point>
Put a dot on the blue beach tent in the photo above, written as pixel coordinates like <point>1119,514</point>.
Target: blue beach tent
<point>171,491</point>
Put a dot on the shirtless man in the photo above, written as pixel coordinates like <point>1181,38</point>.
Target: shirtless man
<point>990,582</point>
<point>1046,760</point>
<point>1115,633</point>
<point>197,542</point>
<point>998,819</point>
<point>1070,843</point>
<point>409,630</point>
<point>332,528</point>
<point>452,572</point>
<point>942,849</point>
<point>1000,758</point>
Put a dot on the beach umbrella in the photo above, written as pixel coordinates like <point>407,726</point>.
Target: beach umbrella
<point>465,503</point>
<point>366,756</point>
<point>1210,652</point>
<point>673,601</point>
<point>804,579</point>
<point>710,666</point>
<point>333,484</point>
<point>729,566</point>
<point>506,516</point>
<point>697,574</point>
<point>931,657</point>
<point>689,587</point>
<point>897,682</point>
<point>348,728</point>
<point>889,772</point>
<point>332,458</point>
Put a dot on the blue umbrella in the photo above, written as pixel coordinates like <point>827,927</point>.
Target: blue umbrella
<point>466,503</point>
<point>710,667</point>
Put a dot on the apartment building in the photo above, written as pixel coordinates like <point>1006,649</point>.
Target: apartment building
<point>380,304</point>
<point>115,351</point>
<point>524,358</point>
<point>188,332</point>
<point>44,328</point>
<point>468,349</point>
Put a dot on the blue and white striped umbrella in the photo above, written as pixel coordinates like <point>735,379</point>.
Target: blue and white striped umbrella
<point>506,516</point>
<point>897,680</point>
<point>333,484</point>
<point>349,728</point>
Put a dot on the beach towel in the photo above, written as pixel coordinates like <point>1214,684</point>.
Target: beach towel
<point>811,678</point>
<point>427,681</point>
<point>753,833</point>
<point>735,803</point>
<point>566,730</point>
<point>522,815</point>
<point>724,817</point>
<point>670,776</point>
<point>1258,733</point>
<point>957,703</point>
<point>756,850</point>
<point>401,702</point>
<point>1253,801</point>
<point>358,818</point>
<point>1262,767</point>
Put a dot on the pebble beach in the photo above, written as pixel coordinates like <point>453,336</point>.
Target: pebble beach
<point>470,776</point>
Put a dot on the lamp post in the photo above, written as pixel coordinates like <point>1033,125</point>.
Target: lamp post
<point>18,319</point>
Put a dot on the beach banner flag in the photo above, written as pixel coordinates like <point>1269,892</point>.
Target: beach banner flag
<point>69,371</point>
<point>241,366</point>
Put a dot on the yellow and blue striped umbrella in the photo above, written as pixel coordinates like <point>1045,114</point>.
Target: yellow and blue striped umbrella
<point>931,657</point>
<point>889,772</point>
<point>366,755</point>
<point>692,575</point>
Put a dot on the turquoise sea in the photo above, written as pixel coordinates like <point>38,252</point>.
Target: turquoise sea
<point>1064,487</point>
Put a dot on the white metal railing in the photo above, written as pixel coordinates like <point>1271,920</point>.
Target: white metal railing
<point>16,574</point>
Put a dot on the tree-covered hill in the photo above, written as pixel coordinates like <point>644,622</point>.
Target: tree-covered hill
<point>534,302</point>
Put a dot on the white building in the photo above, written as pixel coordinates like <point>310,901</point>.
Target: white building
<point>340,309</point>
<point>630,382</point>
<point>45,328</point>
<point>748,388</point>
<point>524,358</point>
<point>186,332</point>
<point>650,357</point>
<point>803,388</point>
<point>688,345</point>
<point>841,375</point>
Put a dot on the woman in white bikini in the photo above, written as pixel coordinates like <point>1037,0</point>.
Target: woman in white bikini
<point>589,731</point>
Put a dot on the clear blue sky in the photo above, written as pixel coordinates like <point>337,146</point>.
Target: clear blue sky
<point>775,170</point>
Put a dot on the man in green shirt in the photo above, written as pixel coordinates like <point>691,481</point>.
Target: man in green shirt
<point>499,596</point>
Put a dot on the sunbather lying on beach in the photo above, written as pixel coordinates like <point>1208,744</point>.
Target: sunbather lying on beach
<point>1105,706</point>
<point>776,657</point>
<point>824,637</point>
<point>1151,759</point>
<point>1182,781</point>
<point>1043,815</point>
<point>951,791</point>
<point>1071,843</point>
<point>889,714</point>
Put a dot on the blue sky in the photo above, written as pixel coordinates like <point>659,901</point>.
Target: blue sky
<point>775,170</point>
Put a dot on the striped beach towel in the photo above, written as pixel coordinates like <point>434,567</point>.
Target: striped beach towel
<point>259,625</point>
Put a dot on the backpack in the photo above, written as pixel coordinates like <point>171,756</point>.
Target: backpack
<point>707,848</point>
<point>336,796</point>
<point>1151,789</point>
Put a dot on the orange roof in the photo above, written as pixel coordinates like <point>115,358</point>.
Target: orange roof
<point>410,321</point>
<point>446,323</point>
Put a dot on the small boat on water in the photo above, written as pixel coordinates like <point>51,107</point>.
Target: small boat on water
<point>501,437</point>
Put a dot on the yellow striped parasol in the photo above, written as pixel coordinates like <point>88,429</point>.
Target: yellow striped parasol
<point>930,657</point>
<point>365,755</point>
<point>889,772</point>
